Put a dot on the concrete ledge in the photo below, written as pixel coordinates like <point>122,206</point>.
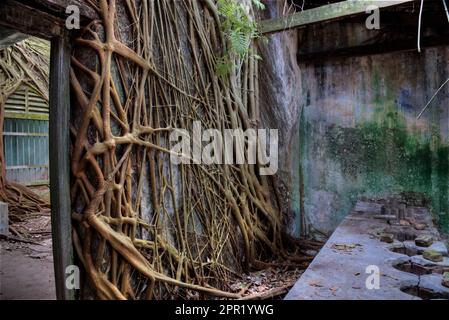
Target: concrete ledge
<point>341,269</point>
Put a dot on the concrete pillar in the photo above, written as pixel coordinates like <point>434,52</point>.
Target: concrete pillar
<point>4,224</point>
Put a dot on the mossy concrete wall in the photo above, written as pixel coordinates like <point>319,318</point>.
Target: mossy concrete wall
<point>359,135</point>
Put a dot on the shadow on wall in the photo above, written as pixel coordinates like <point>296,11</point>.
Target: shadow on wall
<point>361,137</point>
<point>279,82</point>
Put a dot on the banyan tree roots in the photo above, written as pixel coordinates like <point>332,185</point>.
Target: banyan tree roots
<point>145,228</point>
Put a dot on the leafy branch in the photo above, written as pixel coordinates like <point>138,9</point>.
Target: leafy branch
<point>239,30</point>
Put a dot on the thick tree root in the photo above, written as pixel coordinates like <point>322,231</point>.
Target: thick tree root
<point>145,228</point>
<point>22,201</point>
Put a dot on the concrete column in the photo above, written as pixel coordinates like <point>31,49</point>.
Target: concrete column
<point>4,225</point>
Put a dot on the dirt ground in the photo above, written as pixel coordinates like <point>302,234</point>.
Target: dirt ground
<point>26,269</point>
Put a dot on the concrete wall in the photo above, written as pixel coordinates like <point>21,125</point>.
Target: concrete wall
<point>279,83</point>
<point>359,134</point>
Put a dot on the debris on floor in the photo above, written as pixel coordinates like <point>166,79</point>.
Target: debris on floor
<point>274,282</point>
<point>266,284</point>
<point>26,271</point>
<point>26,258</point>
<point>424,240</point>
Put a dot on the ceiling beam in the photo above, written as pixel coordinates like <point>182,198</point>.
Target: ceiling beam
<point>325,13</point>
<point>28,20</point>
<point>8,37</point>
<point>59,7</point>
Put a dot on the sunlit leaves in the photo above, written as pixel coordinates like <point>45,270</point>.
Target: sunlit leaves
<point>238,29</point>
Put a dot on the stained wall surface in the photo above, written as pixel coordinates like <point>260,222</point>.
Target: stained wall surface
<point>360,136</point>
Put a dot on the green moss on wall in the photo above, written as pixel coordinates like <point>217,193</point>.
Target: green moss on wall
<point>381,156</point>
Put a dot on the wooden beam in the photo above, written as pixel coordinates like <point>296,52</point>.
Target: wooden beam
<point>28,20</point>
<point>9,37</point>
<point>59,7</point>
<point>61,222</point>
<point>397,32</point>
<point>325,13</point>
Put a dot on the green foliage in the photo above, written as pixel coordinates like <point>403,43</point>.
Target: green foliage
<point>238,29</point>
<point>223,66</point>
<point>258,4</point>
<point>240,42</point>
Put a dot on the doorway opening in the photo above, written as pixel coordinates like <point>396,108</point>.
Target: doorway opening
<point>26,234</point>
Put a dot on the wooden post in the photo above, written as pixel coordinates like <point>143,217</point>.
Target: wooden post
<point>44,21</point>
<point>60,162</point>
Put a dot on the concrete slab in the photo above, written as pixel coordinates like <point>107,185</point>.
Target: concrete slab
<point>412,249</point>
<point>419,259</point>
<point>430,287</point>
<point>433,281</point>
<point>345,264</point>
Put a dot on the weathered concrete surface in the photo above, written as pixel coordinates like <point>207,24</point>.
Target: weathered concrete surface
<point>4,221</point>
<point>359,134</point>
<point>347,125</point>
<point>339,271</point>
<point>397,32</point>
<point>411,249</point>
<point>279,84</point>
